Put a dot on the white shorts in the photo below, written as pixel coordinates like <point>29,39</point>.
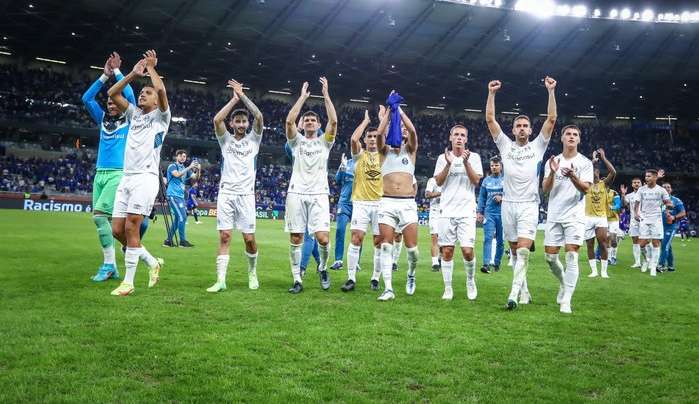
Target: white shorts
<point>397,213</point>
<point>453,229</point>
<point>592,223</point>
<point>235,211</point>
<point>136,194</point>
<point>519,220</point>
<point>651,229</point>
<point>307,212</point>
<point>365,213</point>
<point>634,228</point>
<point>560,234</point>
<point>434,223</point>
<point>614,227</point>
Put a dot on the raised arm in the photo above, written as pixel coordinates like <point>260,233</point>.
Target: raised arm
<point>290,124</point>
<point>355,140</point>
<point>158,85</point>
<point>179,173</point>
<point>412,133</point>
<point>220,117</point>
<point>93,108</point>
<point>493,125</point>
<point>611,171</point>
<point>115,64</point>
<point>331,127</point>
<point>382,131</point>
<point>115,91</point>
<point>258,125</point>
<point>551,111</point>
<point>341,169</point>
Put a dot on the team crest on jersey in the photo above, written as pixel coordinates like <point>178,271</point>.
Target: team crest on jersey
<point>405,161</point>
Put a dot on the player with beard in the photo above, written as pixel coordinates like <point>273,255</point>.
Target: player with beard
<point>235,205</point>
<point>520,201</point>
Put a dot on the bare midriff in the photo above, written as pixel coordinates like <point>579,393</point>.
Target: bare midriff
<point>398,185</point>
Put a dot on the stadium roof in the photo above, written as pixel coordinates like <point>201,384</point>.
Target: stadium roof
<point>438,51</point>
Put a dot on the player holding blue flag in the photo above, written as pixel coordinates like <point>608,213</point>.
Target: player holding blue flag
<point>344,178</point>
<point>489,204</point>
<point>114,127</point>
<point>672,217</point>
<point>177,176</point>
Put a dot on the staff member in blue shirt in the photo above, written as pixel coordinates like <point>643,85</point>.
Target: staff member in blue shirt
<point>489,204</point>
<point>345,180</point>
<point>177,176</point>
<point>672,217</point>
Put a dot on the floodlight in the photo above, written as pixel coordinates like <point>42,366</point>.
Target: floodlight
<point>625,14</point>
<point>579,11</point>
<point>563,10</point>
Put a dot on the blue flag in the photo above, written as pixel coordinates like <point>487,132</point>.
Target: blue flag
<point>394,137</point>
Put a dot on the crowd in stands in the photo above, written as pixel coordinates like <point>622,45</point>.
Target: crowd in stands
<point>25,95</point>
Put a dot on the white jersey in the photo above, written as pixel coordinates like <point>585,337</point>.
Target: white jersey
<point>567,203</point>
<point>145,139</point>
<point>239,168</point>
<point>631,199</point>
<point>433,187</point>
<point>651,201</point>
<point>458,193</point>
<point>310,168</point>
<point>520,164</point>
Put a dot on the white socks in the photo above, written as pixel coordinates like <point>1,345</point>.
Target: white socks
<point>145,256</point>
<point>470,268</point>
<point>654,259</point>
<point>555,266</point>
<point>435,261</point>
<point>352,261</point>
<point>603,270</point>
<point>222,267</point>
<point>397,247</point>
<point>593,267</point>
<point>447,270</point>
<point>520,272</point>
<point>612,252</point>
<point>252,262</point>
<point>323,249</point>
<point>636,255</point>
<point>570,278</point>
<point>387,265</point>
<point>377,264</point>
<point>108,253</point>
<point>130,263</point>
<point>295,261</point>
<point>412,260</point>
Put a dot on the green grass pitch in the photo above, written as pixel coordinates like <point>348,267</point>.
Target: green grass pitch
<point>63,338</point>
